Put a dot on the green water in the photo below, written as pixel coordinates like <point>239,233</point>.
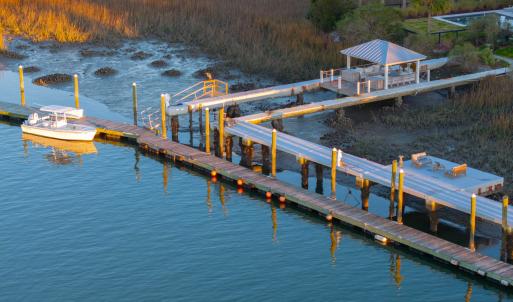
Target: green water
<point>108,227</point>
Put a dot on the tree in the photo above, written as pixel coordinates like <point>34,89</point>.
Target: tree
<point>484,30</point>
<point>433,7</point>
<point>325,13</point>
<point>373,21</point>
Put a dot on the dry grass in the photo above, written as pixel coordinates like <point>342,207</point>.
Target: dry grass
<point>259,36</point>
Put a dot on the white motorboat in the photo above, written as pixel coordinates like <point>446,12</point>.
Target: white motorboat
<point>55,125</point>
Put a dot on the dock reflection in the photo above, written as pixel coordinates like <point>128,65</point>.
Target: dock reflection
<point>395,269</point>
<point>62,152</point>
<point>335,238</point>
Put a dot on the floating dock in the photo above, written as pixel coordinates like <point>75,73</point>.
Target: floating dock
<point>389,231</point>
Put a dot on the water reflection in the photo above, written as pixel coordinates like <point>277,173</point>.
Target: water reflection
<point>395,269</point>
<point>137,155</point>
<point>62,152</point>
<point>335,238</point>
<point>209,201</point>
<point>275,222</point>
<point>468,294</point>
<point>165,176</point>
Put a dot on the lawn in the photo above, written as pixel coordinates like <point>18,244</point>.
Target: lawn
<point>420,25</point>
<point>505,52</point>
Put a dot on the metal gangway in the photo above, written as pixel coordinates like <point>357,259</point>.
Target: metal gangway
<point>204,89</point>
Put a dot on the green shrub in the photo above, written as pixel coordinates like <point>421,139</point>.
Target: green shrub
<point>372,21</point>
<point>487,57</point>
<point>484,30</point>
<point>466,55</point>
<point>325,13</point>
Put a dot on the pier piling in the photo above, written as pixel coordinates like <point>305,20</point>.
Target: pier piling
<point>365,192</point>
<point>22,86</point>
<point>304,172</point>
<point>207,130</point>
<point>134,102</point>
<point>505,203</point>
<point>221,131</point>
<point>400,197</point>
<point>266,164</point>
<point>273,153</point>
<point>334,156</point>
<point>433,216</point>
<point>319,189</point>
<point>392,190</point>
<point>75,81</point>
<point>175,126</point>
<point>163,115</point>
<point>229,147</point>
<point>472,223</point>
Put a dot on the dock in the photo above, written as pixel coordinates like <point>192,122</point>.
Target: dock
<point>390,232</point>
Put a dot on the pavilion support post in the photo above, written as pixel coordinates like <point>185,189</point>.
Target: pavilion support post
<point>386,76</point>
<point>429,75</point>
<point>472,223</point>
<point>365,192</point>
<point>400,197</point>
<point>175,125</point>
<point>320,177</point>
<point>304,172</point>
<point>266,163</point>
<point>417,72</point>
<point>348,62</point>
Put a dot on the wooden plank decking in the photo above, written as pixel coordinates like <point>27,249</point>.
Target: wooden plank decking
<point>440,249</point>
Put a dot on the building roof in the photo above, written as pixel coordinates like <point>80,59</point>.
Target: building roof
<point>383,52</point>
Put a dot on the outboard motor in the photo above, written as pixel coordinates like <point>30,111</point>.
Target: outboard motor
<point>33,118</point>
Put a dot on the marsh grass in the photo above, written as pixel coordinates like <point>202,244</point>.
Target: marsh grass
<point>269,37</point>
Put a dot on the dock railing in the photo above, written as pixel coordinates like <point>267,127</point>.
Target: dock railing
<point>207,88</point>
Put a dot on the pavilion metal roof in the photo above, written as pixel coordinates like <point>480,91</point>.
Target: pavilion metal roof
<point>383,52</point>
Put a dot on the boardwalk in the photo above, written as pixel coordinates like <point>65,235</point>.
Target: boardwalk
<point>440,249</point>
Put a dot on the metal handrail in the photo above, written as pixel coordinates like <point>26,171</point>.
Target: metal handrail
<point>210,87</point>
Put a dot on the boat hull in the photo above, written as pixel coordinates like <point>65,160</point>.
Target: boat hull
<point>64,134</point>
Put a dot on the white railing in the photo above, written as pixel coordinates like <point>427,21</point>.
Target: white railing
<point>363,86</point>
<point>207,88</point>
<point>330,75</point>
<point>150,118</point>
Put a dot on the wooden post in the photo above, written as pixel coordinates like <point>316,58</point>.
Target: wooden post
<point>75,81</point>
<point>200,119</point>
<point>300,100</point>
<point>304,172</point>
<point>505,203</point>
<point>319,189</point>
<point>163,115</point>
<point>266,164</point>
<point>273,153</point>
<point>365,192</point>
<point>472,222</point>
<point>433,216</point>
<point>175,126</point>
<point>221,131</point>
<point>22,86</point>
<point>229,147</point>
<point>334,156</point>
<point>207,130</point>
<point>400,198</point>
<point>392,190</point>
<point>134,101</point>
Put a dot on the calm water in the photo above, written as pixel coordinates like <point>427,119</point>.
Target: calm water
<point>107,226</point>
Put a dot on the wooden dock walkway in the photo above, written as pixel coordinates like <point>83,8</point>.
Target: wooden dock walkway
<point>415,184</point>
<point>399,234</point>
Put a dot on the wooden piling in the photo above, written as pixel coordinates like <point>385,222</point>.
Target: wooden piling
<point>392,190</point>
<point>273,153</point>
<point>319,188</point>
<point>207,130</point>
<point>75,81</point>
<point>175,126</point>
<point>247,153</point>
<point>505,203</point>
<point>163,115</point>
<point>134,102</point>
<point>229,147</point>
<point>365,192</point>
<point>400,197</point>
<point>200,119</point>
<point>221,131</point>
<point>472,223</point>
<point>334,156</point>
<point>266,163</point>
<point>300,99</point>
<point>22,86</point>
<point>304,172</point>
<point>433,216</point>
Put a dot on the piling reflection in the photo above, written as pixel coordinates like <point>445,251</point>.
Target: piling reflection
<point>165,176</point>
<point>209,198</point>
<point>222,198</point>
<point>468,294</point>
<point>335,238</point>
<point>395,269</point>
<point>62,152</point>
<point>137,171</point>
<point>275,222</point>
